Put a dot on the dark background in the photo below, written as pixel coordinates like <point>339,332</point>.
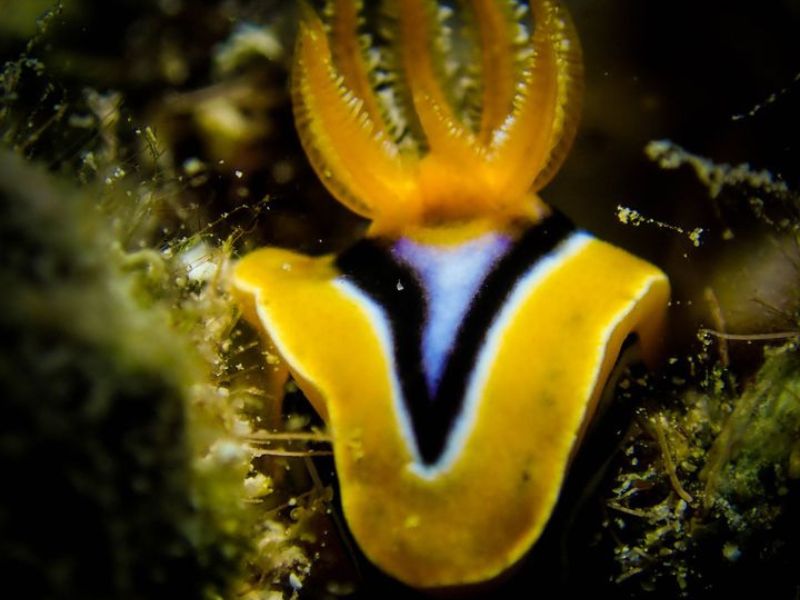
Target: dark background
<point>699,73</point>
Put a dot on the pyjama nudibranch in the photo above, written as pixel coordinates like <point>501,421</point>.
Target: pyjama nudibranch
<point>457,352</point>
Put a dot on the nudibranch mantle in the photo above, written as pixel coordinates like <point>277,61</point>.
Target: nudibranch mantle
<point>458,351</point>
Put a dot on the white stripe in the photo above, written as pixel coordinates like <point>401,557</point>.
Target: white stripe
<point>380,324</point>
<point>465,420</point>
<point>603,347</point>
<point>275,338</point>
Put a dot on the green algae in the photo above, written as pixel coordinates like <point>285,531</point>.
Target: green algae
<point>704,495</point>
<point>95,436</point>
<point>129,420</point>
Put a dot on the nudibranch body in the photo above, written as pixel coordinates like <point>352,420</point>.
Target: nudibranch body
<point>458,351</point>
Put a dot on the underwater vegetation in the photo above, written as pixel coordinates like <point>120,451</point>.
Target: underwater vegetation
<point>148,146</point>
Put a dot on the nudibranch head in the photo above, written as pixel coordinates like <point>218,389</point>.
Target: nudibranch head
<point>457,352</point>
<point>439,167</point>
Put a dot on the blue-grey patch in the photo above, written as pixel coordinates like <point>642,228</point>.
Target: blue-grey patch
<point>520,292</point>
<point>451,276</point>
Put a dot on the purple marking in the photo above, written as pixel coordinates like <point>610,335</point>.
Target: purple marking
<point>450,276</point>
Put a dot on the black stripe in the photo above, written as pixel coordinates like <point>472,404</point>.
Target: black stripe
<point>370,265</point>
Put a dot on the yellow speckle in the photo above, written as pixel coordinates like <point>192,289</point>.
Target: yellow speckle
<point>193,166</point>
<point>731,552</point>
<point>694,236</point>
<point>257,486</point>
<point>355,444</point>
<point>411,521</point>
<point>630,216</point>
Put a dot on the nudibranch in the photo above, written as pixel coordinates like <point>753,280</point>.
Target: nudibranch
<point>457,352</point>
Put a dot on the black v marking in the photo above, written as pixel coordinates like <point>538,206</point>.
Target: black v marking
<point>370,265</point>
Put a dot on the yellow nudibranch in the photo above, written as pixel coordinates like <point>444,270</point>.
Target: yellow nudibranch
<point>457,352</point>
